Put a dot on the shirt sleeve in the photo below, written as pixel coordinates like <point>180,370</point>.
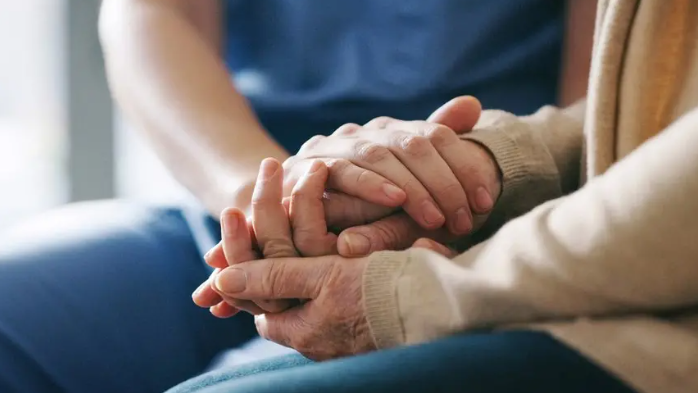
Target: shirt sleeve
<point>539,156</point>
<point>624,243</point>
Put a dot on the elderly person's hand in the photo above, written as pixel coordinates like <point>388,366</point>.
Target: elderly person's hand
<point>329,321</point>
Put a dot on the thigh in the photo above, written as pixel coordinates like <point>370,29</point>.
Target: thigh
<point>524,362</point>
<point>97,298</point>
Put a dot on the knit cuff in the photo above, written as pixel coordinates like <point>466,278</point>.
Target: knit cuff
<point>380,297</point>
<point>529,174</point>
<point>508,157</point>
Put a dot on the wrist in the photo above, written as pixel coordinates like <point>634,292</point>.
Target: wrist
<point>228,193</point>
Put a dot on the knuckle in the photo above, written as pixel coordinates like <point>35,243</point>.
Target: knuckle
<point>312,142</point>
<point>372,153</point>
<point>440,135</point>
<point>387,235</point>
<point>346,129</point>
<point>278,248</point>
<point>272,280</point>
<point>380,122</point>
<point>337,166</point>
<point>305,239</point>
<point>364,177</point>
<point>452,189</point>
<point>415,145</point>
<point>301,194</point>
<point>466,167</point>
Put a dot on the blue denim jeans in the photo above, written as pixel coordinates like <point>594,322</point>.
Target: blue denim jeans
<point>97,298</point>
<point>504,362</point>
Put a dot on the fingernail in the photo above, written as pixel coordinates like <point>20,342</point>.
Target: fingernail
<point>199,289</point>
<point>393,192</point>
<point>268,168</point>
<point>431,214</point>
<point>358,244</point>
<point>464,222</point>
<point>483,200</point>
<point>315,166</point>
<point>231,280</point>
<point>230,223</point>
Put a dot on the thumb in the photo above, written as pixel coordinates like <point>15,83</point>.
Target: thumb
<point>396,232</point>
<point>460,114</point>
<point>434,246</point>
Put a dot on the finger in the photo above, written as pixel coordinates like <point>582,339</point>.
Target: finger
<point>311,143</point>
<point>236,241</point>
<point>307,214</point>
<point>396,232</point>
<point>284,328</point>
<point>380,122</point>
<point>380,159</point>
<point>460,114</point>
<point>363,183</point>
<point>434,246</point>
<point>347,129</point>
<point>244,305</point>
<point>270,222</point>
<point>237,247</point>
<point>223,310</point>
<point>276,331</point>
<point>269,218</point>
<point>204,295</point>
<point>207,296</point>
<point>470,164</point>
<point>215,257</point>
<point>282,278</point>
<point>422,159</point>
<point>344,211</point>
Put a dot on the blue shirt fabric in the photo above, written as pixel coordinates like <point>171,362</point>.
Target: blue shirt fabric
<point>309,66</point>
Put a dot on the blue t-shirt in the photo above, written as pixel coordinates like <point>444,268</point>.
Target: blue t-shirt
<point>309,66</point>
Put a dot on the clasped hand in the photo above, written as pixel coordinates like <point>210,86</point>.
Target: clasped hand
<point>315,304</point>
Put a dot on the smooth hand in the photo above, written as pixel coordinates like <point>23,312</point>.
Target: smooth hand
<point>275,225</point>
<point>440,178</point>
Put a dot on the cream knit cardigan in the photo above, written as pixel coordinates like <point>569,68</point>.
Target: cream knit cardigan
<point>596,231</point>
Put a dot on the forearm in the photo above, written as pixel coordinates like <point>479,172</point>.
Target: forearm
<point>174,88</point>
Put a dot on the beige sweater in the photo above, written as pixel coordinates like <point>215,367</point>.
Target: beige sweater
<point>604,252</point>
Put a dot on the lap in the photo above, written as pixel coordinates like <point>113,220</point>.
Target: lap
<point>478,363</point>
<point>96,297</point>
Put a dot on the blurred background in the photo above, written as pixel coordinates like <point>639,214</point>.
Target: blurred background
<point>61,139</point>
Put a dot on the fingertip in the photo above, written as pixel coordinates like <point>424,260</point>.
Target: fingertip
<point>353,244</point>
<point>435,246</point>
<point>316,166</point>
<point>428,215</point>
<point>460,114</point>
<point>462,222</point>
<point>223,310</point>
<point>268,168</point>
<point>215,257</point>
<point>422,243</point>
<point>395,195</point>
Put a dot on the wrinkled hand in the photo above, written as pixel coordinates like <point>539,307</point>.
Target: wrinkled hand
<point>330,321</point>
<point>271,233</point>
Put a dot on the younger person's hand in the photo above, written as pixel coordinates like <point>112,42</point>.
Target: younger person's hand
<point>422,166</point>
<point>271,233</point>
